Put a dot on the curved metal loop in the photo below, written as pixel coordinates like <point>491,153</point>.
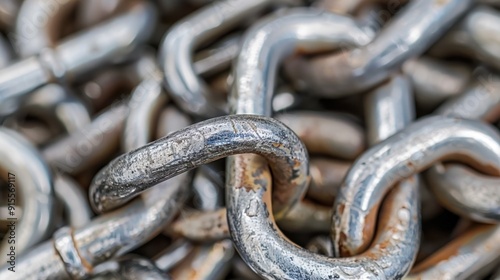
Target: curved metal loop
<point>148,97</point>
<point>481,100</point>
<point>38,24</point>
<point>389,109</point>
<point>460,189</point>
<point>93,143</point>
<point>185,86</point>
<point>77,55</point>
<point>173,255</point>
<point>408,152</point>
<point>268,42</point>
<point>91,12</point>
<point>201,143</point>
<point>109,235</point>
<point>308,216</point>
<point>30,182</point>
<point>206,261</point>
<point>272,256</point>
<point>476,36</point>
<point>408,35</point>
<point>466,192</point>
<point>470,255</point>
<point>145,104</point>
<point>57,103</point>
<point>57,107</point>
<point>75,203</point>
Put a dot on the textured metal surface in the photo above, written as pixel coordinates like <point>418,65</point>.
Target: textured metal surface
<point>412,150</point>
<point>350,139</point>
<point>408,35</point>
<point>33,184</point>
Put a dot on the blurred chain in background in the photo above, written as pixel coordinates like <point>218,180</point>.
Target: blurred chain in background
<point>236,139</point>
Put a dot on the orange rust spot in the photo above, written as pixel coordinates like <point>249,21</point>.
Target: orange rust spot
<point>341,208</point>
<point>410,165</point>
<point>277,145</point>
<point>343,250</point>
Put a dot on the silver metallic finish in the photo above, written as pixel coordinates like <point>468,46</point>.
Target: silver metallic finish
<point>78,54</point>
<point>342,7</point>
<point>74,200</point>
<point>389,108</point>
<point>55,104</point>
<point>65,247</point>
<point>249,215</point>
<point>131,267</point>
<point>173,255</point>
<point>280,35</point>
<point>38,24</point>
<point>410,151</point>
<point>33,185</point>
<point>307,216</point>
<point>40,262</point>
<point>145,104</point>
<point>34,131</point>
<point>461,189</point>
<point>469,256</point>
<point>481,100</point>
<point>91,12</point>
<point>217,58</point>
<point>435,80</point>
<point>272,256</point>
<point>201,143</point>
<point>208,261</point>
<point>186,87</point>
<point>477,36</point>
<point>408,35</point>
<point>88,146</point>
<point>148,98</point>
<point>115,233</point>
<point>285,99</point>
<point>118,232</point>
<point>324,138</point>
<point>466,192</point>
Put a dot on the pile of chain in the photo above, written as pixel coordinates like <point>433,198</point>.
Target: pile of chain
<point>250,139</point>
